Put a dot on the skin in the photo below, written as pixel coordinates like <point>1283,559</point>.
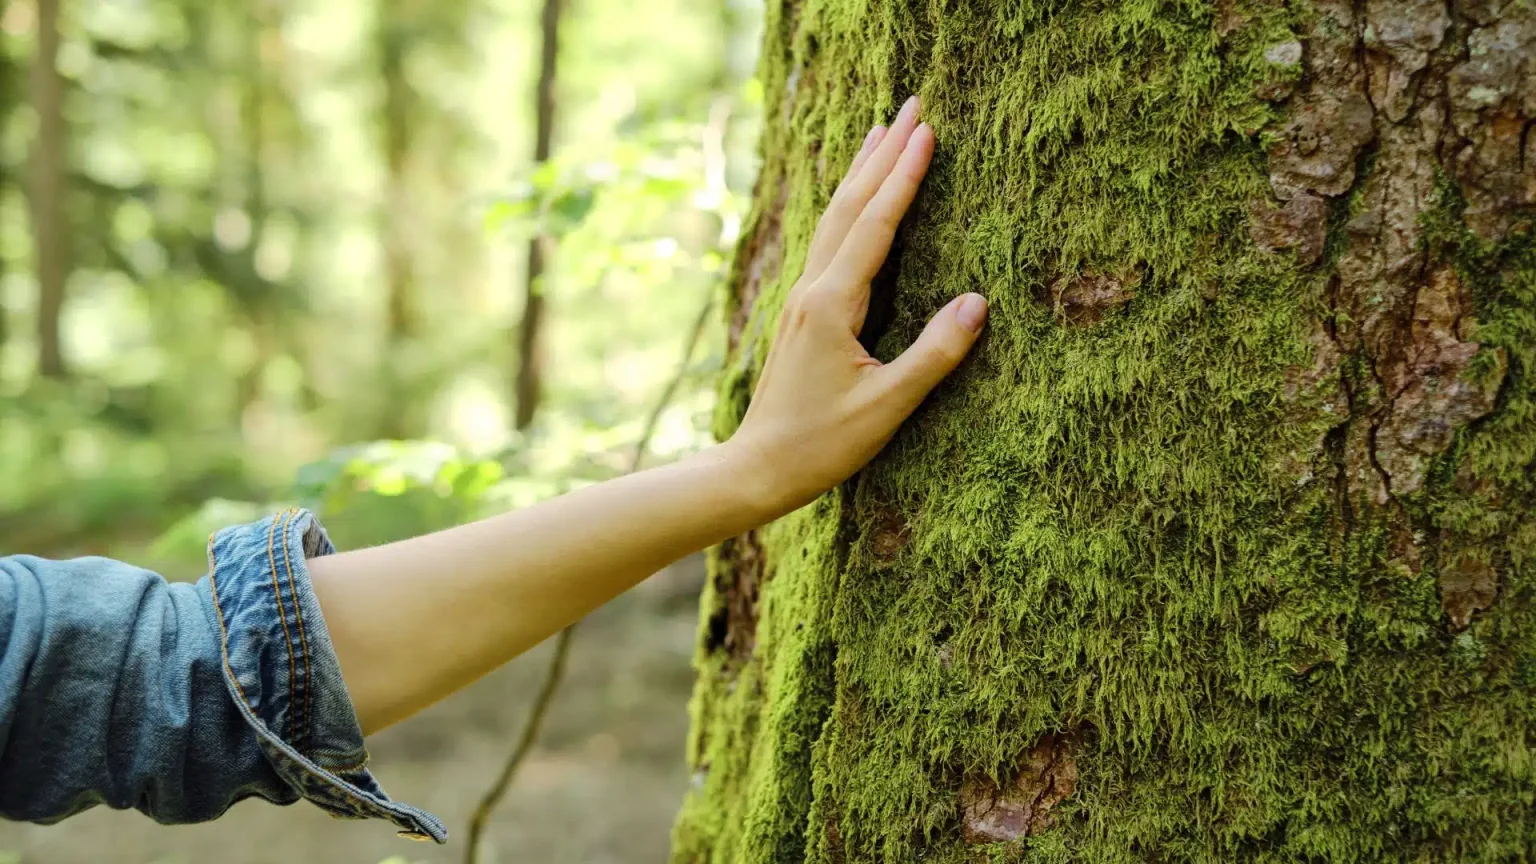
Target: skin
<point>416,620</point>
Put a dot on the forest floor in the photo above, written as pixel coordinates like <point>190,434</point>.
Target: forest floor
<point>601,788</point>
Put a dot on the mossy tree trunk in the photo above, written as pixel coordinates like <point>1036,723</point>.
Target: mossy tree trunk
<point>1220,546</point>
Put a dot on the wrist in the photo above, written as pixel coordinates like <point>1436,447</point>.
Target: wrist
<point>754,480</point>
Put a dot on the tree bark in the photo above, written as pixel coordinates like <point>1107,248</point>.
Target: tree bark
<point>1222,544</point>
<point>49,190</point>
<point>541,249</point>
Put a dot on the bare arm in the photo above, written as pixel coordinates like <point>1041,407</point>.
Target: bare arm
<point>416,620</point>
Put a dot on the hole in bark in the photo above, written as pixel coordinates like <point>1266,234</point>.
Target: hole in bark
<point>889,535</point>
<point>738,580</point>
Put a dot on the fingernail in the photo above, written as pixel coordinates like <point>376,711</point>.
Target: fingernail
<point>869,139</point>
<point>972,312</point>
<point>908,106</point>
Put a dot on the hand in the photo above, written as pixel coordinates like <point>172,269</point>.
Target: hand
<point>823,406</point>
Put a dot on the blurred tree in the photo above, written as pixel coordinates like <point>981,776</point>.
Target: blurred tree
<point>541,248</point>
<point>396,128</point>
<point>1221,545</point>
<point>49,189</point>
<point>419,135</point>
<point>9,98</point>
<point>244,179</point>
<point>395,35</point>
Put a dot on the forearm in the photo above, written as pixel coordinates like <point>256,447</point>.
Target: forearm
<point>416,620</point>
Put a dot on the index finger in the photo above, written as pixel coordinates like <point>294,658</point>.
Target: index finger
<point>869,239</point>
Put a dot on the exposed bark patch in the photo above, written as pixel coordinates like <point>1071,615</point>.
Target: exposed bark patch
<point>1331,121</point>
<point>1383,260</point>
<point>758,260</point>
<point>1405,547</point>
<point>1228,18</point>
<point>1468,584</point>
<point>1081,299</point>
<point>1398,39</point>
<point>1310,389</point>
<point>1363,474</point>
<point>1301,224</point>
<point>1319,144</point>
<point>1284,54</point>
<point>1280,83</point>
<point>1493,106</point>
<point>835,842</point>
<point>1021,807</point>
<point>890,535</point>
<point>1432,394</point>
<point>739,576</point>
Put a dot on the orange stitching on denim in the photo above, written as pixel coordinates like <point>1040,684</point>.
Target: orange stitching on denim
<point>348,769</point>
<point>303,642</point>
<point>213,584</point>
<point>282,616</point>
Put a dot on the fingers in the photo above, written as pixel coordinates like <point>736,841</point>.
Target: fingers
<point>938,350</point>
<point>822,249</point>
<point>871,141</point>
<point>868,239</point>
<point>861,184</point>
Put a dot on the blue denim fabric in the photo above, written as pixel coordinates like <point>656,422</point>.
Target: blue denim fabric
<point>117,688</point>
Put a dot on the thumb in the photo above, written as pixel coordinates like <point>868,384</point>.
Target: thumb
<point>938,350</point>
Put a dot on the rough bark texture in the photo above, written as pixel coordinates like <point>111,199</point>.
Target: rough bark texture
<point>1220,546</point>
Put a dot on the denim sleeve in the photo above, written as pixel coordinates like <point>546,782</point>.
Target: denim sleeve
<point>178,700</point>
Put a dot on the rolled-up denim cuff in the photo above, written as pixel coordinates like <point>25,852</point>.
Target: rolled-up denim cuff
<point>282,671</point>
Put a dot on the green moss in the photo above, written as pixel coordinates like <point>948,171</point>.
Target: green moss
<point>1103,532</point>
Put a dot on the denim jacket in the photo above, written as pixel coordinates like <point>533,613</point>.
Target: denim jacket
<point>178,700</point>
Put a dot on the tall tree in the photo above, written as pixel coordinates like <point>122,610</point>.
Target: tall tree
<point>49,189</point>
<point>1222,545</point>
<point>8,99</point>
<point>541,248</point>
<point>402,327</point>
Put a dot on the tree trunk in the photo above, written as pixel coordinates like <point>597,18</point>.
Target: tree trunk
<point>1222,545</point>
<point>401,326</point>
<point>49,169</point>
<point>9,97</point>
<point>541,249</point>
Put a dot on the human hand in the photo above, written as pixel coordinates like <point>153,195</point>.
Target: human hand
<point>823,406</point>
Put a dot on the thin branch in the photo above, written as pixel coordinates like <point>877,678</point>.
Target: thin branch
<point>557,661</point>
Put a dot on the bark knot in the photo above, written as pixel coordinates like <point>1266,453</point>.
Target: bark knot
<point>1081,299</point>
<point>1022,806</point>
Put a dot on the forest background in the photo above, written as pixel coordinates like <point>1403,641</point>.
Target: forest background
<point>267,253</point>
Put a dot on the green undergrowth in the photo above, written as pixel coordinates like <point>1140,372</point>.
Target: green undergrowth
<point>1100,529</point>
